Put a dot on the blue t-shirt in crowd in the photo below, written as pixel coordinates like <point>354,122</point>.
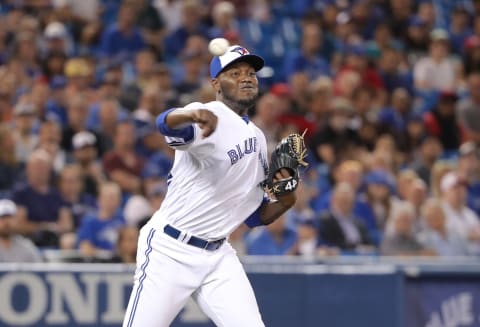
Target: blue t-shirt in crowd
<point>261,242</point>
<point>101,233</point>
<point>314,67</point>
<point>115,44</point>
<point>40,207</point>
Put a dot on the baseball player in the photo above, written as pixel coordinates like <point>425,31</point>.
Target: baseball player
<point>215,185</point>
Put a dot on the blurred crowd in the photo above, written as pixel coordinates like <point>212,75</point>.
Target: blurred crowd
<point>387,90</point>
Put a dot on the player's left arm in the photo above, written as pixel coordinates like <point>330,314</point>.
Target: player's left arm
<point>282,179</point>
<point>270,210</point>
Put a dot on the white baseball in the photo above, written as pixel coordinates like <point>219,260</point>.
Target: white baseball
<point>218,46</point>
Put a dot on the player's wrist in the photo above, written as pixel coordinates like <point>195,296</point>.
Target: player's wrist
<point>287,200</point>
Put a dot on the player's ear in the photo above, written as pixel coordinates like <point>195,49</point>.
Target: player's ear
<point>216,85</point>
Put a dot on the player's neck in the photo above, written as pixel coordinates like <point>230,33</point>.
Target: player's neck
<point>239,108</point>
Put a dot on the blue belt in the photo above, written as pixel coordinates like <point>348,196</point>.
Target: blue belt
<point>195,241</point>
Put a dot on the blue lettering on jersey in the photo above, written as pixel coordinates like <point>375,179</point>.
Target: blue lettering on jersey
<point>249,146</point>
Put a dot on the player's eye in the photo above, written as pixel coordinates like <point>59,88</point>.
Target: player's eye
<point>252,74</point>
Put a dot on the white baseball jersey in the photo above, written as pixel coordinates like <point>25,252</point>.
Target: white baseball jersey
<point>214,184</point>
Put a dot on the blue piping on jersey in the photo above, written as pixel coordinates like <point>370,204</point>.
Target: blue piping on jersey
<point>186,133</point>
<point>246,119</point>
<point>254,219</point>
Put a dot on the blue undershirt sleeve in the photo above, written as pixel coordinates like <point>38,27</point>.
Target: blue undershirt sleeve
<point>254,219</point>
<point>178,136</point>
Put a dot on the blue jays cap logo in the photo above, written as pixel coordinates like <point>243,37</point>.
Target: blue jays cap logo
<point>240,50</point>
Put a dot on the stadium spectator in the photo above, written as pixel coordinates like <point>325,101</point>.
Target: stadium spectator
<point>70,186</point>
<point>98,232</point>
<point>442,123</point>
<point>459,29</point>
<point>151,24</point>
<point>85,155</point>
<point>320,96</point>
<point>403,180</point>
<point>471,55</point>
<point>79,74</point>
<point>26,140</point>
<point>468,167</point>
<point>14,247</point>
<point>9,167</point>
<point>400,239</point>
<point>468,109</point>
<point>379,195</point>
<point>437,71</point>
<point>339,227</point>
<point>356,61</point>
<point>77,111</point>
<point>56,39</point>
<point>460,219</point>
<point>415,196</point>
<point>49,139</point>
<point>103,121</point>
<point>26,53</point>
<point>53,65</point>
<point>350,172</point>
<point>299,84</point>
<point>126,247</point>
<point>122,165</point>
<point>191,24</point>
<point>192,76</point>
<point>123,39</point>
<point>394,118</point>
<point>42,214</point>
<point>144,68</point>
<point>56,105</point>
<point>430,151</point>
<point>274,239</point>
<point>224,20</point>
<point>337,141</point>
<point>394,71</point>
<point>436,235</point>
<point>308,58</point>
<point>439,169</point>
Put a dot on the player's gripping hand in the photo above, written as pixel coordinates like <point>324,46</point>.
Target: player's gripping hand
<point>287,199</point>
<point>283,169</point>
<point>206,120</point>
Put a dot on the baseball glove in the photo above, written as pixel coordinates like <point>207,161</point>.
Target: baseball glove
<point>289,154</point>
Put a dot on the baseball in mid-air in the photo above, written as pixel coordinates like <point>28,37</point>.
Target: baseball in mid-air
<point>218,46</point>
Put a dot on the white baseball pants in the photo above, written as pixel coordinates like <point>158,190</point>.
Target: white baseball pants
<point>169,272</point>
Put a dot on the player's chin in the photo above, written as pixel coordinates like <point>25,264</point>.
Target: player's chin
<point>247,101</point>
<point>248,94</point>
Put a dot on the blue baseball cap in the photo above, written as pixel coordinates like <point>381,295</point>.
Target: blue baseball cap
<point>234,54</point>
<point>380,177</point>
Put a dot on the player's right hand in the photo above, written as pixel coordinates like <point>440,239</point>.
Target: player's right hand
<point>206,120</point>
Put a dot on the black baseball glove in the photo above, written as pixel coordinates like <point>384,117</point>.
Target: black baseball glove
<point>289,154</point>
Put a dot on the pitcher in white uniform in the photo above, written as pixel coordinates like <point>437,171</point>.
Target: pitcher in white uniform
<point>214,186</point>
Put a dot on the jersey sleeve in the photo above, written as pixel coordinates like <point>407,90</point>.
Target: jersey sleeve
<point>188,137</point>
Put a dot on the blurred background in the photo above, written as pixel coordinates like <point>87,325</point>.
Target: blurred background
<point>386,229</point>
